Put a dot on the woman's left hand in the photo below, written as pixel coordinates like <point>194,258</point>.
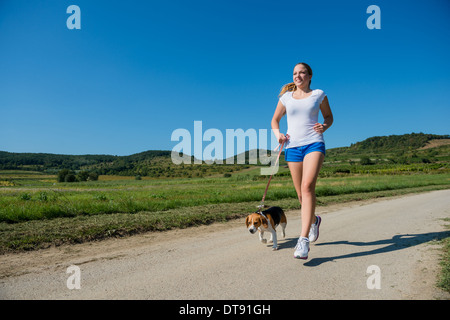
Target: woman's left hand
<point>319,128</point>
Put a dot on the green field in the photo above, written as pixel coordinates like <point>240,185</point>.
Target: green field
<point>37,212</point>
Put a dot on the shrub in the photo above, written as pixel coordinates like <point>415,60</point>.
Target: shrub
<point>364,160</point>
<point>43,196</point>
<point>25,196</point>
<point>93,176</point>
<point>70,178</point>
<point>83,176</point>
<point>66,175</point>
<point>100,197</point>
<point>62,175</point>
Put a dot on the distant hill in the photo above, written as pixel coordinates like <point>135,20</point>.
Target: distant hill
<point>158,163</point>
<point>153,163</point>
<point>406,149</point>
<point>44,161</point>
<point>396,142</point>
<point>391,144</point>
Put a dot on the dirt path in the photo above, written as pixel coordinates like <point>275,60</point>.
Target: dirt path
<point>224,261</point>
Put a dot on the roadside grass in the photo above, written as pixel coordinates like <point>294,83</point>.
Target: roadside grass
<point>444,277</point>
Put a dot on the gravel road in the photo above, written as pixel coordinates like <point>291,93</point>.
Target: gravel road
<point>377,249</point>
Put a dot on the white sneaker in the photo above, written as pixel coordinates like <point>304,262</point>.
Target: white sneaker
<point>314,230</point>
<point>302,248</point>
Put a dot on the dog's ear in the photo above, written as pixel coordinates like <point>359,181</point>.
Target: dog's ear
<point>247,221</point>
<point>264,222</point>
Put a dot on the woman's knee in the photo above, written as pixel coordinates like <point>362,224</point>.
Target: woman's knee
<point>308,187</point>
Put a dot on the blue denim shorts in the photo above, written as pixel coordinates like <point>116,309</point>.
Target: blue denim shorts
<point>296,154</point>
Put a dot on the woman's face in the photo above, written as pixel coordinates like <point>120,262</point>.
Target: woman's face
<point>301,76</point>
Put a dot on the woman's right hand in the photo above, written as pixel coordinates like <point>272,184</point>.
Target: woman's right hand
<point>282,138</point>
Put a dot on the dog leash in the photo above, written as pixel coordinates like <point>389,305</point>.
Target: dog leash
<point>261,206</point>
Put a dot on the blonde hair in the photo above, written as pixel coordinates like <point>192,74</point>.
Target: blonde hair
<point>291,86</point>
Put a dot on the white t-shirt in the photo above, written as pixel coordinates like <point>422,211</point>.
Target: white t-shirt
<point>302,114</point>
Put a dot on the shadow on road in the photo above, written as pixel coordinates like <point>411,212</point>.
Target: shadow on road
<point>287,243</point>
<point>397,242</point>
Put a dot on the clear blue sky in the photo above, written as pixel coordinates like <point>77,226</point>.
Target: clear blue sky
<point>138,70</point>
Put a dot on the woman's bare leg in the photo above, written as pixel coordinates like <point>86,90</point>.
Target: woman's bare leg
<point>296,169</point>
<point>311,167</point>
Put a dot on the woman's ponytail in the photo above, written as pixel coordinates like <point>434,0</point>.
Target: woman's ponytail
<point>287,87</point>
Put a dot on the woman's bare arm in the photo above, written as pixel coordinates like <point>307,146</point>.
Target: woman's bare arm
<point>280,111</point>
<point>327,117</point>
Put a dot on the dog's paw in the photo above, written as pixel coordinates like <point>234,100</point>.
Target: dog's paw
<point>264,240</point>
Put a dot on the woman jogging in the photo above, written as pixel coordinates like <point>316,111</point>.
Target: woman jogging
<point>305,146</point>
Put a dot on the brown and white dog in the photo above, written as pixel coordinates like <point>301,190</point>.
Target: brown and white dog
<point>275,216</point>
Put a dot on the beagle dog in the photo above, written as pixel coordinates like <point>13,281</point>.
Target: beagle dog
<point>267,221</point>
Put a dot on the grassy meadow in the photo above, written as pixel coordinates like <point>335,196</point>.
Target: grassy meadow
<point>36,211</point>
